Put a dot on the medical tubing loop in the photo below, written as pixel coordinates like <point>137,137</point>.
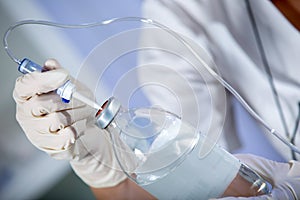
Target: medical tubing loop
<point>171,32</point>
<point>59,25</point>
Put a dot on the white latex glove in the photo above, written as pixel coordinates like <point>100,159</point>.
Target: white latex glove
<point>285,178</point>
<point>66,131</point>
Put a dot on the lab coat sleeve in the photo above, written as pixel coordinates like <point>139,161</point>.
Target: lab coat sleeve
<point>224,29</point>
<point>172,78</point>
<point>242,68</point>
<point>240,62</point>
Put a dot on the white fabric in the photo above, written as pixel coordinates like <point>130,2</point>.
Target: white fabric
<point>66,131</point>
<point>284,176</point>
<point>197,178</point>
<point>224,29</point>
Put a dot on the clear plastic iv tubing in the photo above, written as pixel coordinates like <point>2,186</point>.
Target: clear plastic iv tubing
<point>168,30</point>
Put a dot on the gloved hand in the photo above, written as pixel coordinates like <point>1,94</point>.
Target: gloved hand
<point>285,178</point>
<point>66,131</point>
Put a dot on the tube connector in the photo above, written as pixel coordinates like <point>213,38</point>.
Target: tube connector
<point>262,186</point>
<point>27,66</point>
<point>65,91</point>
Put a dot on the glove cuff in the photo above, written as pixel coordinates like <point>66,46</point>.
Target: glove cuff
<point>97,175</point>
<point>94,161</point>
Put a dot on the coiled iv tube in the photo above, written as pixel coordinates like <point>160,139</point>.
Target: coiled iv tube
<point>173,34</point>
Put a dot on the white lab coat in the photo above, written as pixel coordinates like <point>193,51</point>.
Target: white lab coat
<point>223,28</point>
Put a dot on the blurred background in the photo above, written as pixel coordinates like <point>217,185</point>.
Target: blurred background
<point>25,172</point>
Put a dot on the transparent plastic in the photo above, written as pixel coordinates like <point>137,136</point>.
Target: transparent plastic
<point>165,152</point>
<point>173,34</point>
<point>158,138</point>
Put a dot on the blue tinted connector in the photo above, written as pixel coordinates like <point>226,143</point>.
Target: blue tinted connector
<point>65,91</point>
